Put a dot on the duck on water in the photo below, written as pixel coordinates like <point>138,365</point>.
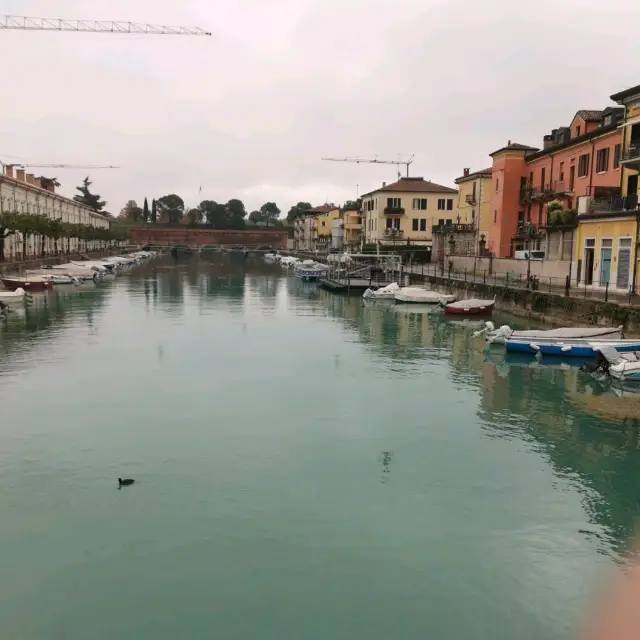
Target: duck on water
<point>125,482</point>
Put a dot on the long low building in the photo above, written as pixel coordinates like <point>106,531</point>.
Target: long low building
<point>23,193</point>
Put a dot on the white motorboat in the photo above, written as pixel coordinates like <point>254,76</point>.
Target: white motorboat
<point>622,366</point>
<point>309,270</point>
<point>18,294</point>
<point>417,295</point>
<point>384,293</point>
<point>71,269</point>
<point>503,333</point>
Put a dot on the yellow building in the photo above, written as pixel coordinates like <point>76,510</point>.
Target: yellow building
<point>406,211</point>
<point>607,233</point>
<point>323,226</point>
<point>352,228</point>
<point>474,202</point>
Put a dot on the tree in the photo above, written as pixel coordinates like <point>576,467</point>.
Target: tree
<point>171,208</point>
<point>215,214</point>
<point>91,200</point>
<point>154,212</point>
<point>8,226</point>
<point>194,217</point>
<point>256,217</point>
<point>145,211</point>
<point>270,213</point>
<point>298,210</point>
<point>236,214</point>
<point>131,211</point>
<point>352,205</point>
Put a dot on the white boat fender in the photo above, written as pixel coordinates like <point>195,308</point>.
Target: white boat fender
<point>566,347</point>
<point>534,346</point>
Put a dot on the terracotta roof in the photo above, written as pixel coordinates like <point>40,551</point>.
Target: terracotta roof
<point>514,146</point>
<point>474,175</point>
<point>323,208</point>
<point>413,185</point>
<point>589,115</point>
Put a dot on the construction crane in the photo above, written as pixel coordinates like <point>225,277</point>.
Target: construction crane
<point>397,163</point>
<point>27,23</point>
<point>20,165</point>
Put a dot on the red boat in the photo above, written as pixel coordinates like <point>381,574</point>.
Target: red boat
<point>28,284</point>
<point>470,307</point>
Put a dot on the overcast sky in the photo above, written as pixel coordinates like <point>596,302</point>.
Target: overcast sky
<point>249,112</point>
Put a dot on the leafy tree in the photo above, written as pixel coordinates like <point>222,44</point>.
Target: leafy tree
<point>256,217</point>
<point>236,214</point>
<point>215,214</point>
<point>131,211</point>
<point>91,200</point>
<point>171,208</point>
<point>297,210</point>
<point>270,213</point>
<point>8,226</point>
<point>352,205</point>
<point>145,212</point>
<point>194,217</point>
<point>154,212</point>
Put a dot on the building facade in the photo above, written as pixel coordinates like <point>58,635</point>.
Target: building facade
<point>474,204</point>
<point>324,226</point>
<point>306,228</point>
<point>582,159</point>
<point>405,211</point>
<point>23,193</point>
<point>352,229</point>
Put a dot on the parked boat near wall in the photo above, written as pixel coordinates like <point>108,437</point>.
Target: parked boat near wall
<point>417,295</point>
<point>499,335</point>
<point>34,283</point>
<point>470,307</point>
<point>383,293</point>
<point>575,348</point>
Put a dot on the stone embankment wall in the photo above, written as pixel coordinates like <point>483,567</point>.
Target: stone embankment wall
<point>25,265</point>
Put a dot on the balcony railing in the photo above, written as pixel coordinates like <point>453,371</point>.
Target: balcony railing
<point>632,153</point>
<point>453,228</point>
<point>540,193</point>
<point>393,211</point>
<point>560,187</point>
<point>528,230</point>
<point>614,204</point>
<point>470,199</point>
<point>393,234</point>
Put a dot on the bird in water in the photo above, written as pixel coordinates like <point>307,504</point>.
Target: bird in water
<point>125,482</point>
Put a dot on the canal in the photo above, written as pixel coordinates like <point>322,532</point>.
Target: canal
<point>306,467</point>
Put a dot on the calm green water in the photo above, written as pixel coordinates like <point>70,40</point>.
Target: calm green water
<point>306,467</point>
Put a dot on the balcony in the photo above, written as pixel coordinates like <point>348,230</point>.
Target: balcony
<point>453,228</point>
<point>393,234</point>
<point>528,230</point>
<point>393,211</point>
<point>470,199</point>
<point>631,156</point>
<point>560,188</point>
<point>542,193</point>
<point>615,204</point>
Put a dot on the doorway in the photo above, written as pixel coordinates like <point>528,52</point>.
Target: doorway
<point>606,251</point>
<point>632,193</point>
<point>624,263</point>
<point>589,259</point>
<point>572,177</point>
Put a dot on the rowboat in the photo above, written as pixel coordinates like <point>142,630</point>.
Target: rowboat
<point>498,336</point>
<point>473,306</point>
<point>575,348</point>
<point>34,283</point>
<point>416,295</point>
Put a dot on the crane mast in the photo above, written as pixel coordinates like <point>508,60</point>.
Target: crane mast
<point>397,163</point>
<point>27,23</point>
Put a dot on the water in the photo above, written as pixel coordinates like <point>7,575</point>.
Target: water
<point>306,467</point>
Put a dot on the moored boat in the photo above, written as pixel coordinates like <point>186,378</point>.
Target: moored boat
<point>621,366</point>
<point>309,270</point>
<point>383,293</point>
<point>574,348</point>
<point>499,335</point>
<point>33,283</point>
<point>470,307</point>
<point>417,295</point>
<point>18,294</point>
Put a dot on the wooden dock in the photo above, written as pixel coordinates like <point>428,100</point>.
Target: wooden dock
<point>351,285</point>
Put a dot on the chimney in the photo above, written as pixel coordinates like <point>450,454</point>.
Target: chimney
<point>20,175</point>
<point>8,171</point>
<point>548,141</point>
<point>384,184</point>
<point>30,178</point>
<point>38,183</point>
<point>465,172</point>
<point>508,142</point>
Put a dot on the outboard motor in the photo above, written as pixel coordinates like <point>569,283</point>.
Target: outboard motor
<point>599,363</point>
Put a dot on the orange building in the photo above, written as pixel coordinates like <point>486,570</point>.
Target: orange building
<point>582,159</point>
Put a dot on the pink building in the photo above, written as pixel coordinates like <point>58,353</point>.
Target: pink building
<point>578,160</point>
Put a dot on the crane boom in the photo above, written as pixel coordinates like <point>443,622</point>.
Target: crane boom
<point>27,23</point>
<point>68,166</point>
<point>397,163</point>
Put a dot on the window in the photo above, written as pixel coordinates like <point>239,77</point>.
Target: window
<point>607,120</point>
<point>531,177</point>
<point>583,165</point>
<point>414,224</point>
<point>449,204</point>
<point>561,174</point>
<point>497,184</point>
<point>543,175</point>
<point>577,131</point>
<point>602,160</point>
<point>324,224</point>
<point>394,203</point>
<point>495,216</point>
<point>441,222</point>
<point>441,204</point>
<point>616,156</point>
<point>449,222</point>
<point>473,192</point>
<point>423,224</point>
<point>419,204</point>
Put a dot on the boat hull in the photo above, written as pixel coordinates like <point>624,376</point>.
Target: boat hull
<point>28,285</point>
<point>548,335</point>
<point>570,350</point>
<point>469,311</point>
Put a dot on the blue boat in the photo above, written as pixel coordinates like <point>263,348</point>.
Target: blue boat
<point>575,348</point>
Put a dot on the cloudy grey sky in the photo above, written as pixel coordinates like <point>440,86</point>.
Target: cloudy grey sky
<point>249,112</point>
